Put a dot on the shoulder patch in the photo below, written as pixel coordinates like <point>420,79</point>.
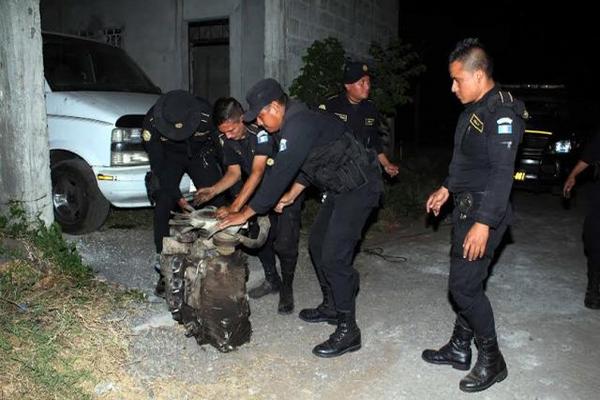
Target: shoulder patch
<point>262,137</point>
<point>504,126</point>
<point>476,123</point>
<point>343,117</point>
<point>369,121</point>
<point>283,145</point>
<point>146,135</point>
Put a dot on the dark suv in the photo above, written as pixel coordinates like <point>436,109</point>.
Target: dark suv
<point>552,137</point>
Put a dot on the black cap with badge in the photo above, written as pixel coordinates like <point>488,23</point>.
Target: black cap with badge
<point>353,71</point>
<point>178,114</point>
<point>262,93</point>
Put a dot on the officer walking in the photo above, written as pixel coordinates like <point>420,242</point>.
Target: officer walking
<point>316,149</point>
<point>591,226</point>
<point>480,178</point>
<point>247,153</point>
<point>178,137</point>
<point>354,107</point>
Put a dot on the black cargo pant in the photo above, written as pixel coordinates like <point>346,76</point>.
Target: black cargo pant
<point>334,235</point>
<point>282,240</point>
<point>203,170</point>
<point>466,277</point>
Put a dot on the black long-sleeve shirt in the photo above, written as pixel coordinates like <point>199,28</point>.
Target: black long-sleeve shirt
<point>301,130</point>
<point>486,140</point>
<point>362,119</point>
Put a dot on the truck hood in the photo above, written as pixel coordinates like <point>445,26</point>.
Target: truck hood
<point>99,106</point>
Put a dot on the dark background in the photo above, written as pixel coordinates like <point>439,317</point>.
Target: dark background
<point>530,42</point>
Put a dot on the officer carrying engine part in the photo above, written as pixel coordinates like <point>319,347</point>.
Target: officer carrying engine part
<point>316,149</point>
<point>179,138</point>
<point>248,152</point>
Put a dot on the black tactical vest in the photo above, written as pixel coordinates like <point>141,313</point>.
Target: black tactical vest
<point>340,166</point>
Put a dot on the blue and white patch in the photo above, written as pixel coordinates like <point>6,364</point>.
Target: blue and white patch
<point>262,137</point>
<point>283,145</point>
<point>504,126</point>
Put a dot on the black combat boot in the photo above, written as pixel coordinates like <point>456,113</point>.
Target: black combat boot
<point>489,368</point>
<point>286,294</point>
<point>270,285</point>
<point>592,294</point>
<point>457,352</point>
<point>345,338</point>
<point>324,312</point>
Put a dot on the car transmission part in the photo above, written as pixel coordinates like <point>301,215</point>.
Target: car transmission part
<point>205,278</point>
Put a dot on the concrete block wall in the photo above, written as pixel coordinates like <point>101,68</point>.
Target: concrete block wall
<point>355,22</point>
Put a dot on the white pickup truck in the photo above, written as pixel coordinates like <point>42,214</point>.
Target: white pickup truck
<point>96,99</point>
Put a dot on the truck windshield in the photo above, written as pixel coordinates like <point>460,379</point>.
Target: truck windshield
<point>72,64</point>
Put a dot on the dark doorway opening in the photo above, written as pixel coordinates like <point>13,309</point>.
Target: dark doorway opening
<point>209,58</point>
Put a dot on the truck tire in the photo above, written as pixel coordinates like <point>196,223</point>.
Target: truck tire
<point>79,206</point>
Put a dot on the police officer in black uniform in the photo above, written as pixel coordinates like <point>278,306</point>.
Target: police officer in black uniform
<point>178,136</point>
<point>354,107</point>
<point>591,226</point>
<point>480,178</point>
<point>248,152</point>
<point>316,149</point>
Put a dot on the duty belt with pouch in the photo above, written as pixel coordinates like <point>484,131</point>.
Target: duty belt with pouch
<point>465,201</point>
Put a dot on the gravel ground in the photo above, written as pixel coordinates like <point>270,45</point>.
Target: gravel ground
<point>550,341</point>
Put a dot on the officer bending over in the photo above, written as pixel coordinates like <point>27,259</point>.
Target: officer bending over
<point>178,138</point>
<point>247,153</point>
<point>316,149</point>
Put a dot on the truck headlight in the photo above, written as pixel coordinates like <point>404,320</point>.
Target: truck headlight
<point>127,135</point>
<point>128,157</point>
<point>562,147</point>
<point>126,148</point>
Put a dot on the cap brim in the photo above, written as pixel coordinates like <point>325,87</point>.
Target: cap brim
<point>251,114</point>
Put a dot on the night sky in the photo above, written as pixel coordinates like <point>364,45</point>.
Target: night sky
<point>529,42</point>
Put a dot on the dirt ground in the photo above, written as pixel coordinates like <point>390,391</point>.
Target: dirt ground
<point>551,342</point>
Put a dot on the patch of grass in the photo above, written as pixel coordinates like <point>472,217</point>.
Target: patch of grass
<point>56,339</point>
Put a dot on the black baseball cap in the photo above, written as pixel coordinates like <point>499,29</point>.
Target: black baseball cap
<point>354,70</point>
<point>262,93</point>
<point>178,114</point>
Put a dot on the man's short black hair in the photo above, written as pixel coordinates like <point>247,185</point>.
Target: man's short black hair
<point>225,109</point>
<point>472,54</point>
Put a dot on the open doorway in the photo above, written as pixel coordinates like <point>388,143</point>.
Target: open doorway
<point>209,58</point>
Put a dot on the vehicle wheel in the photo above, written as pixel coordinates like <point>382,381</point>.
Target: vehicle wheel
<point>79,206</point>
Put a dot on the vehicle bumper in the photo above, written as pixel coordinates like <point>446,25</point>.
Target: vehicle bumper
<point>544,173</point>
<point>125,186</point>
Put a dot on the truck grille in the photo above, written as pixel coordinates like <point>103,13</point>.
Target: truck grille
<point>533,146</point>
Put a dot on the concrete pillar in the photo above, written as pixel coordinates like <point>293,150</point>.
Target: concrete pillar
<point>24,153</point>
<point>275,62</point>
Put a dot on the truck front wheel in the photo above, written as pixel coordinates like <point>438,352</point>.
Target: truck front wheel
<point>79,206</point>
